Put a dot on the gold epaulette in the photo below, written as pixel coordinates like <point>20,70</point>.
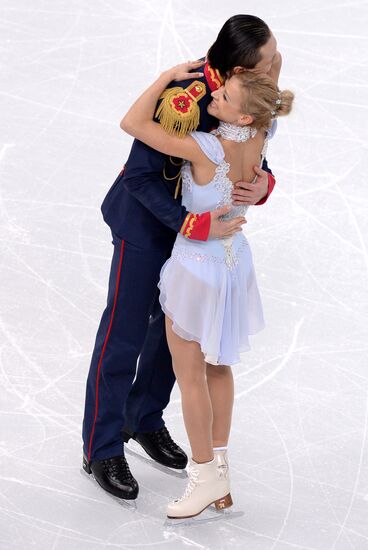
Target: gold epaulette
<point>178,112</point>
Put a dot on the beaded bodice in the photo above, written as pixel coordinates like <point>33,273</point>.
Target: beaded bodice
<point>216,193</point>
<point>204,198</point>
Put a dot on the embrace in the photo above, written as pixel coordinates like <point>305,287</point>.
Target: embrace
<point>183,296</point>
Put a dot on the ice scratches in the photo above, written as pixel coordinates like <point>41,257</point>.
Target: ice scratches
<point>292,349</point>
<point>357,477</point>
<point>168,32</point>
<point>298,449</point>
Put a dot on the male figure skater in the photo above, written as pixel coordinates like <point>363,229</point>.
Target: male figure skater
<point>144,212</point>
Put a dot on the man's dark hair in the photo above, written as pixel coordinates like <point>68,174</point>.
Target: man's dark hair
<point>239,43</point>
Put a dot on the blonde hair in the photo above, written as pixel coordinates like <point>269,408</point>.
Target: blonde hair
<point>263,100</point>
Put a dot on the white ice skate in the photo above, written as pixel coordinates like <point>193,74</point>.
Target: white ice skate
<point>207,485</point>
<point>222,463</point>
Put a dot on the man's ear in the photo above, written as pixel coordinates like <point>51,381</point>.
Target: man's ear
<point>238,69</point>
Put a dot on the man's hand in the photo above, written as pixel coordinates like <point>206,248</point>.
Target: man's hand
<point>220,229</point>
<point>251,193</point>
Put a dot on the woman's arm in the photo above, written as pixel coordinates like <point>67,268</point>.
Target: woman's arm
<point>139,123</point>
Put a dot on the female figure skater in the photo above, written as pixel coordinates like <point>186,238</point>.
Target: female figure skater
<point>208,289</point>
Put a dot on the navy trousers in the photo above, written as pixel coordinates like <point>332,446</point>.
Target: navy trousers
<point>121,390</point>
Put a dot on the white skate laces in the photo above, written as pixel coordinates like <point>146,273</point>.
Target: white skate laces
<point>193,474</point>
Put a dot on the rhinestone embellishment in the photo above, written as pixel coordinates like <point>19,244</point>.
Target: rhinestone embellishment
<point>231,132</point>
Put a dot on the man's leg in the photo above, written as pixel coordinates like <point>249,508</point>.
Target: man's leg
<point>155,378</point>
<point>120,337</point>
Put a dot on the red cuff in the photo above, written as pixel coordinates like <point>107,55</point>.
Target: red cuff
<point>271,185</point>
<point>196,226</point>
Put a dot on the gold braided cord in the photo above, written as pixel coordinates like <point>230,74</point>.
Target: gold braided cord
<point>180,163</point>
<point>167,177</point>
<point>178,175</point>
<point>177,188</point>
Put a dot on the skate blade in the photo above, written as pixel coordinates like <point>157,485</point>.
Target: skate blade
<point>223,515</point>
<point>127,504</point>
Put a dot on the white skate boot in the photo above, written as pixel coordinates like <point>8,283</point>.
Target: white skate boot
<point>222,463</point>
<point>207,485</point>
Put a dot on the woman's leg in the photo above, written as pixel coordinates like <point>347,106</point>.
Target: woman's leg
<point>221,389</point>
<point>190,371</point>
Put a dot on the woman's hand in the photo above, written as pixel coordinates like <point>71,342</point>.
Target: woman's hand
<point>181,71</point>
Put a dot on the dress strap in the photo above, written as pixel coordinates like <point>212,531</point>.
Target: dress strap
<point>210,145</point>
<point>272,131</point>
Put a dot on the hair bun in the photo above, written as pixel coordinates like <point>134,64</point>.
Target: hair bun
<point>286,104</point>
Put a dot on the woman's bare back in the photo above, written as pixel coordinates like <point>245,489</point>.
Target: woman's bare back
<point>242,157</point>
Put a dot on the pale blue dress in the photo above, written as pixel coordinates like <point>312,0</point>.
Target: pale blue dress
<point>209,288</point>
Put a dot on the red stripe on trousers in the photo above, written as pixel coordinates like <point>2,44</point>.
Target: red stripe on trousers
<point>104,348</point>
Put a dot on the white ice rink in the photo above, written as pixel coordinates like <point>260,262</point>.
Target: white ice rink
<point>299,449</point>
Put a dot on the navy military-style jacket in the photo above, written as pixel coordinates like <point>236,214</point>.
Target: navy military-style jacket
<point>140,206</point>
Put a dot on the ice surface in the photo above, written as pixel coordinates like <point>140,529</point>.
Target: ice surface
<point>298,449</point>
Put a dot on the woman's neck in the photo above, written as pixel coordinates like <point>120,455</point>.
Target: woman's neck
<point>232,132</point>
